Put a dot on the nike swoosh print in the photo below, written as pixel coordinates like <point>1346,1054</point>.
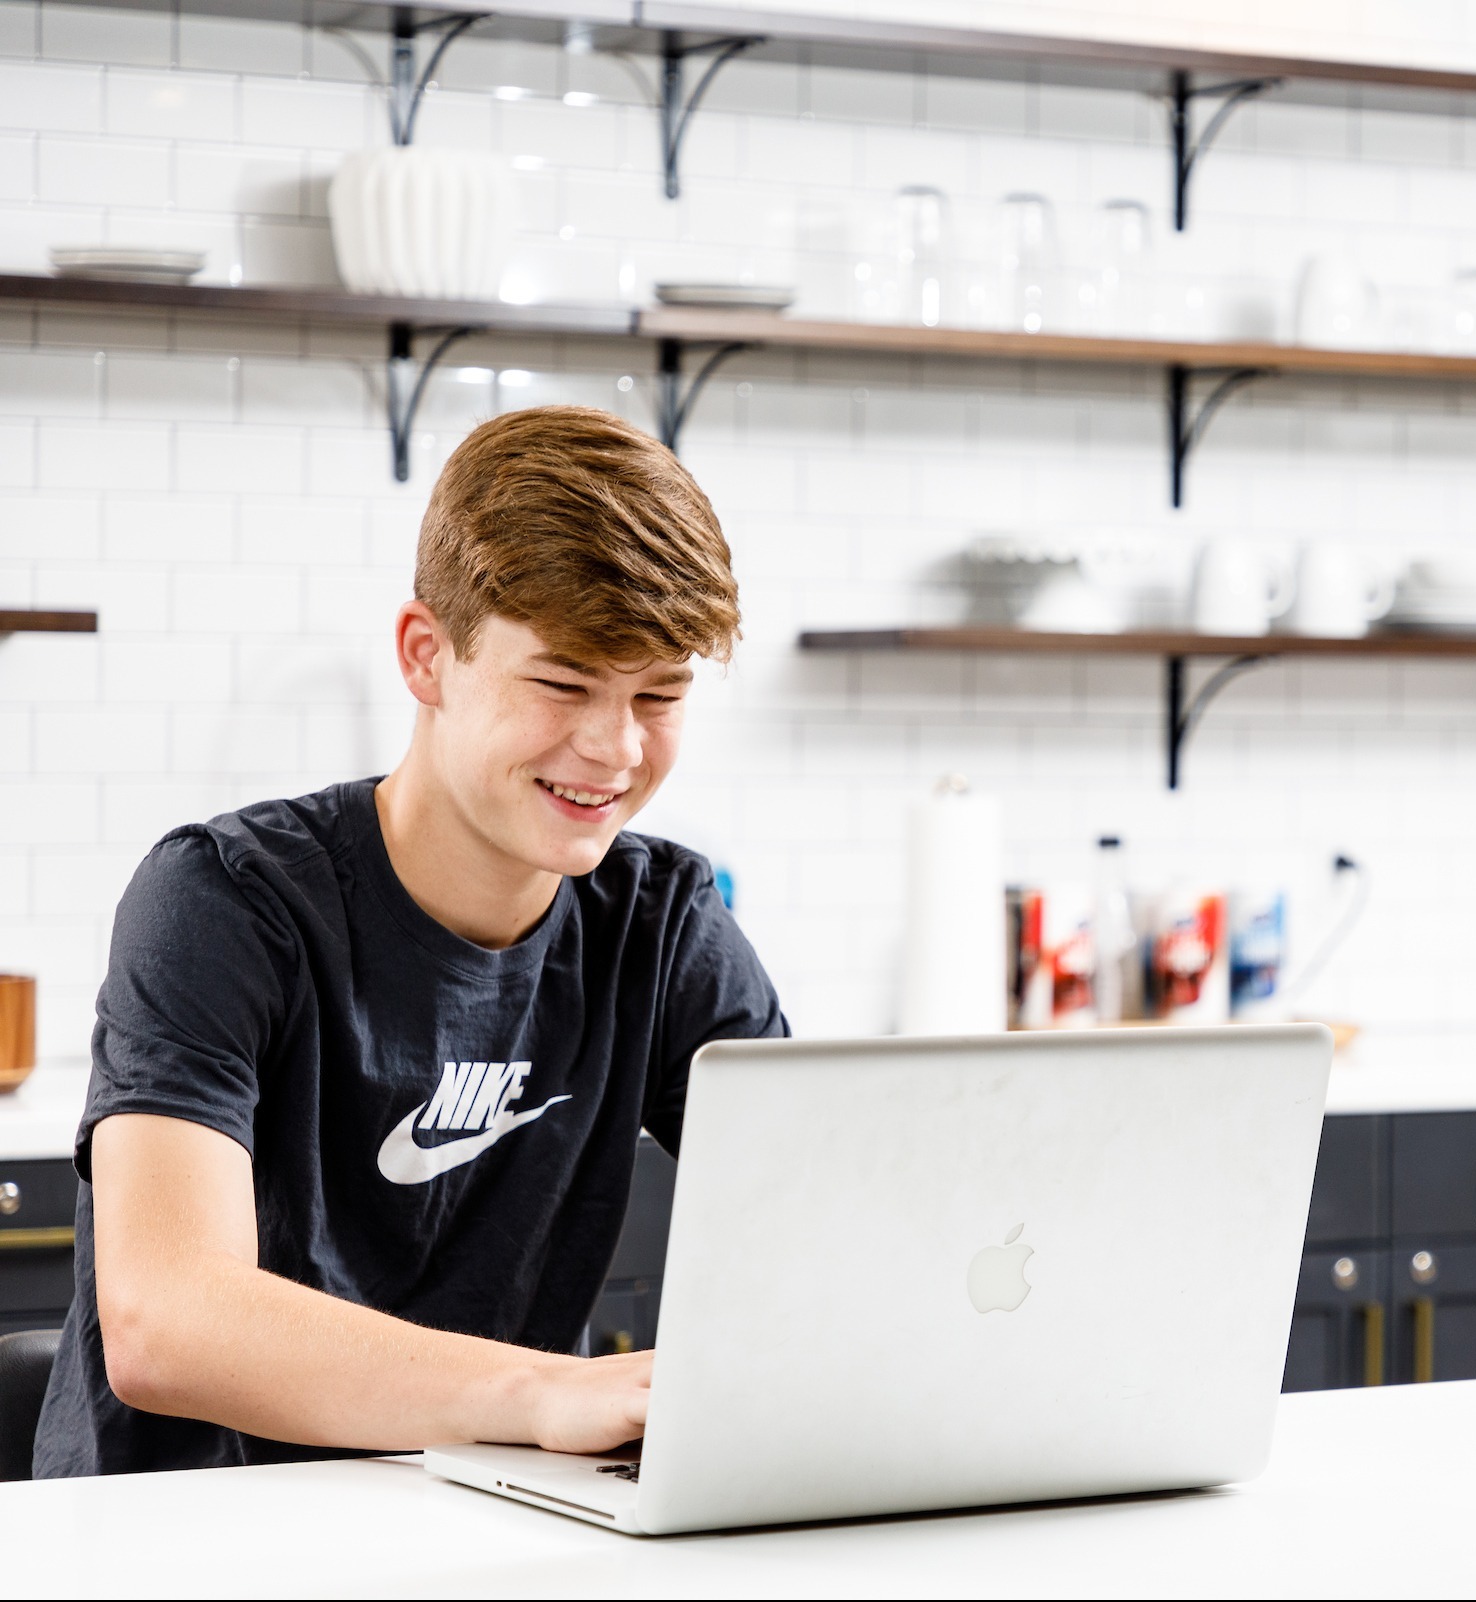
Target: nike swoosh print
<point>402,1162</point>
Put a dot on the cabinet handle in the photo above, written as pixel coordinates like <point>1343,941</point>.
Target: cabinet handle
<point>1424,1339</point>
<point>1423,1269</point>
<point>1373,1343</point>
<point>35,1240</point>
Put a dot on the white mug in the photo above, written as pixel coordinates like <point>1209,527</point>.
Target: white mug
<point>1336,305</point>
<point>1338,595</point>
<point>1237,589</point>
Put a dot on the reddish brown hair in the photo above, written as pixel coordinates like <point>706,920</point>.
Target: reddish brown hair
<point>575,523</point>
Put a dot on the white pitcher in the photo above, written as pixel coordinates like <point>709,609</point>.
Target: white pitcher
<point>1338,592</point>
<point>1238,589</point>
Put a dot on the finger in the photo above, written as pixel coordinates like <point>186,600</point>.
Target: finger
<point>614,1360</point>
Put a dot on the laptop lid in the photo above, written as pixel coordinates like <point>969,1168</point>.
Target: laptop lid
<point>911,1274</point>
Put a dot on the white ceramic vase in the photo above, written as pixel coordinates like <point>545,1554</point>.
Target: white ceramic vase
<point>410,221</point>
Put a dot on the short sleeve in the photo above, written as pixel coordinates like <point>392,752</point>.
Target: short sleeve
<point>717,990</point>
<point>197,985</point>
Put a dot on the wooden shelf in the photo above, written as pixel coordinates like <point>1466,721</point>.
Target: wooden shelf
<point>793,35</point>
<point>1181,713</point>
<point>1136,642</point>
<point>331,306</point>
<point>1219,366</point>
<point>766,328</point>
<point>967,51</point>
<point>691,325</point>
<point>31,621</point>
<point>694,326</point>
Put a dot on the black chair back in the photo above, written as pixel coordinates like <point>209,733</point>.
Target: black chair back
<point>25,1366</point>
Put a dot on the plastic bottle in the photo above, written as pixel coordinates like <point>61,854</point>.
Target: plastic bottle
<point>1117,944</point>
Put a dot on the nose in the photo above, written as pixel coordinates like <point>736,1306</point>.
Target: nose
<point>609,736</point>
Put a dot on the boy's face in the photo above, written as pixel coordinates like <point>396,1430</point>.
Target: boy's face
<point>546,758</point>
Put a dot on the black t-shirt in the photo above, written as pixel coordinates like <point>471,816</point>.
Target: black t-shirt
<point>439,1131</point>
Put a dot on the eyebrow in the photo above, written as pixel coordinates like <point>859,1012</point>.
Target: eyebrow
<point>568,664</point>
<point>676,675</point>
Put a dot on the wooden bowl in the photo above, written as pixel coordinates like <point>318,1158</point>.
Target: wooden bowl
<point>17,1029</point>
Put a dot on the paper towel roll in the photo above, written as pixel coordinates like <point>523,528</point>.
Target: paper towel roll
<point>953,954</point>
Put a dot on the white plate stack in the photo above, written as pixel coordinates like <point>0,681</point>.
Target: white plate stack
<point>432,223</point>
<point>127,263</point>
<point>1437,594</point>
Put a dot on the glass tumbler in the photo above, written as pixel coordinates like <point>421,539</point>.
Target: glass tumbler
<point>922,253</point>
<point>1028,261</point>
<point>1123,277</point>
<point>1460,332</point>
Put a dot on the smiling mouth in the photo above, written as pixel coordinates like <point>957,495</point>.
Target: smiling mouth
<point>593,799</point>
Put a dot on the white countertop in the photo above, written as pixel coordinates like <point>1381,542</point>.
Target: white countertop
<point>1368,1494</point>
<point>1382,1071</point>
<point>1405,1071</point>
<point>40,1118</point>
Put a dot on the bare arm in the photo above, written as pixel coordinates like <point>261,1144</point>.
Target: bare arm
<point>192,1327</point>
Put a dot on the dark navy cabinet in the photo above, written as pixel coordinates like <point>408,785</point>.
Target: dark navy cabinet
<point>1339,1331</point>
<point>1387,1292</point>
<point>1350,1195</point>
<point>624,1319</point>
<point>38,1202</point>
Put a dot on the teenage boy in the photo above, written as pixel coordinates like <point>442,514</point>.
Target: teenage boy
<point>370,1066</point>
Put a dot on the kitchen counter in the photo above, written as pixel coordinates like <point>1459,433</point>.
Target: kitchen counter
<point>1383,1071</point>
<point>1368,1494</point>
<point>40,1119</point>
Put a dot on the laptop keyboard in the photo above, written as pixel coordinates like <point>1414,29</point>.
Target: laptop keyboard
<point>622,1471</point>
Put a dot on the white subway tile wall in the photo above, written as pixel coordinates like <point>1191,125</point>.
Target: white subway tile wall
<point>223,495</point>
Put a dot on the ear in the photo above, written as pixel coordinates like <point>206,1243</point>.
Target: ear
<point>423,649</point>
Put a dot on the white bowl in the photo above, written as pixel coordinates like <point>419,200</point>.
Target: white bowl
<point>432,223</point>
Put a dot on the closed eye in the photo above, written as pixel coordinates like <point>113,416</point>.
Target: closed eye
<point>559,684</point>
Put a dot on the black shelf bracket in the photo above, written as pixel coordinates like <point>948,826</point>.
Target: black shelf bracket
<point>672,406</point>
<point>407,86</point>
<point>1187,149</point>
<point>676,117</point>
<point>406,386</point>
<point>1180,720</point>
<point>1186,432</point>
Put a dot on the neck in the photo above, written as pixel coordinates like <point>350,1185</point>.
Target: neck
<point>449,870</point>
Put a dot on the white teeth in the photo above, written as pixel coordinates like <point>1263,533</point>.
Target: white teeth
<point>582,798</point>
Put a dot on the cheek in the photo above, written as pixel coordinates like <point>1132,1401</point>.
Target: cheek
<point>661,747</point>
<point>496,735</point>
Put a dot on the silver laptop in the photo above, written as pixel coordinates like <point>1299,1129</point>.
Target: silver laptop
<point>919,1274</point>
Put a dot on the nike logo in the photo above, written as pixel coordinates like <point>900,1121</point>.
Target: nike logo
<point>472,1096</point>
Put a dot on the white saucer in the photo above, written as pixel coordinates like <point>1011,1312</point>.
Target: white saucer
<point>122,262</point>
<point>745,297</point>
<point>1450,615</point>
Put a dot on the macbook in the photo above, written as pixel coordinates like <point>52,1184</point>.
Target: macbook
<point>911,1274</point>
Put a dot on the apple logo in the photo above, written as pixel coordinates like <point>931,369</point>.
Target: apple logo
<point>997,1282</point>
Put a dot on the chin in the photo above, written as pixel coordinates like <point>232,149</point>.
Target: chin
<point>574,858</point>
